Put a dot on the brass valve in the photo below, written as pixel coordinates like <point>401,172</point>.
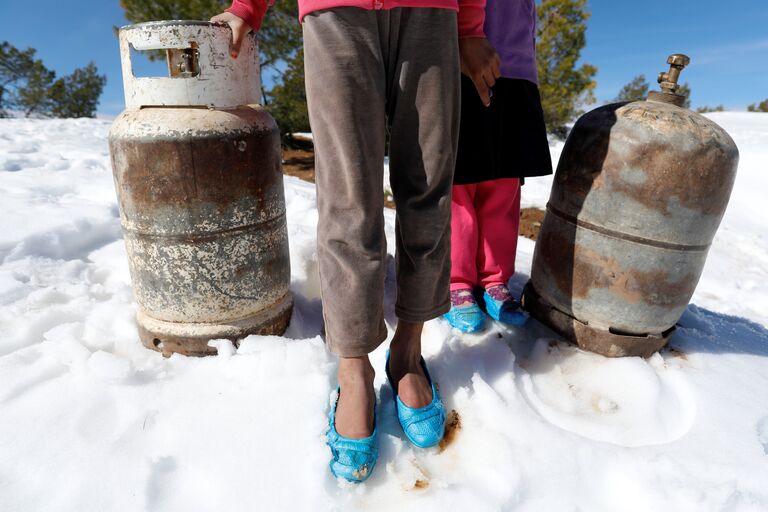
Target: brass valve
<point>183,62</point>
<point>668,79</point>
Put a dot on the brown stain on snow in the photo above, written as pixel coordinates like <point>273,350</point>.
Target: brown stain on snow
<point>676,352</point>
<point>421,484</point>
<point>452,429</point>
<point>530,222</point>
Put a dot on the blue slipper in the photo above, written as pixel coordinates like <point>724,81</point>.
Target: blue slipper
<point>423,426</point>
<point>502,307</point>
<point>352,459</point>
<point>465,315</point>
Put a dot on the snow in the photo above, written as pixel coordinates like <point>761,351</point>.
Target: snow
<point>90,420</point>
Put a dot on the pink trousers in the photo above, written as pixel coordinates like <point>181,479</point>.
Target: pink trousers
<point>484,228</point>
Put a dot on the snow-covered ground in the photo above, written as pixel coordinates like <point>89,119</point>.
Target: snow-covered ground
<point>92,421</point>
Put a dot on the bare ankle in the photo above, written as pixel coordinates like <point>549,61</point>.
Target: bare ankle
<point>354,411</point>
<point>405,349</point>
<point>356,371</point>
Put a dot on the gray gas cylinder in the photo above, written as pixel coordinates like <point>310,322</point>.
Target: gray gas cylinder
<point>197,168</point>
<point>639,193</point>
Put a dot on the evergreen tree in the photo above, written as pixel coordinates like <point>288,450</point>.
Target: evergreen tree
<point>685,90</point>
<point>16,66</point>
<point>635,90</point>
<point>26,85</point>
<point>288,100</point>
<point>638,88</point>
<point>77,95</point>
<point>758,107</point>
<point>280,35</point>
<point>138,11</point>
<point>34,97</point>
<point>561,35</point>
<point>705,109</point>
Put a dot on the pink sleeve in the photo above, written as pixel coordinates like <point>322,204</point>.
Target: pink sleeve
<point>251,11</point>
<point>471,18</point>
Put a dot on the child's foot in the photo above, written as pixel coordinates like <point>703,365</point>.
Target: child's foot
<point>502,307</point>
<point>465,315</point>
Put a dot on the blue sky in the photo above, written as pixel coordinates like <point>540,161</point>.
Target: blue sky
<point>727,41</point>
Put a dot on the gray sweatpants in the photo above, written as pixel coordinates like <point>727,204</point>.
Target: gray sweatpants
<point>368,72</point>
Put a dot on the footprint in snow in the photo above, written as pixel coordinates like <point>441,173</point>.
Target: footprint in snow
<point>20,164</point>
<point>25,370</point>
<point>161,475</point>
<point>12,166</point>
<point>762,433</point>
<point>625,401</point>
<point>25,148</point>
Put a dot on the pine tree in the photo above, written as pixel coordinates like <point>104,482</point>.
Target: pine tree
<point>635,90</point>
<point>27,86</point>
<point>685,90</point>
<point>758,107</point>
<point>35,97</point>
<point>77,95</point>
<point>561,35</point>
<point>15,68</point>
<point>288,100</point>
<point>705,109</point>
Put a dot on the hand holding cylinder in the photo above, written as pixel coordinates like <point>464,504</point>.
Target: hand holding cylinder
<point>239,30</point>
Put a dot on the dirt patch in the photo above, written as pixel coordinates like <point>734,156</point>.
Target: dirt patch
<point>452,429</point>
<point>676,352</point>
<point>421,484</point>
<point>530,222</point>
<point>300,162</point>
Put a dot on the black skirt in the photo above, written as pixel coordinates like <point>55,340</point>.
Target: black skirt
<point>508,139</point>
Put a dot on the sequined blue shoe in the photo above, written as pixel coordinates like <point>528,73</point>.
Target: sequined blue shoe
<point>423,426</point>
<point>352,459</point>
<point>502,307</point>
<point>465,315</point>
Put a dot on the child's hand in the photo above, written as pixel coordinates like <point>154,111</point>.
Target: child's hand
<point>239,30</point>
<point>480,62</point>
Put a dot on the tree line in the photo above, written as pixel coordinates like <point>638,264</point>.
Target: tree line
<point>30,88</point>
<point>27,86</point>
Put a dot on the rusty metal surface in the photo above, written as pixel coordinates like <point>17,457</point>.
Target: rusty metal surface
<point>598,340</point>
<point>647,169</point>
<point>220,278</point>
<point>203,213</point>
<point>181,170</point>
<point>611,282</point>
<point>638,195</point>
<point>192,339</point>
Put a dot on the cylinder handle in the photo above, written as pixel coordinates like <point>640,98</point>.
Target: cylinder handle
<point>201,71</point>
